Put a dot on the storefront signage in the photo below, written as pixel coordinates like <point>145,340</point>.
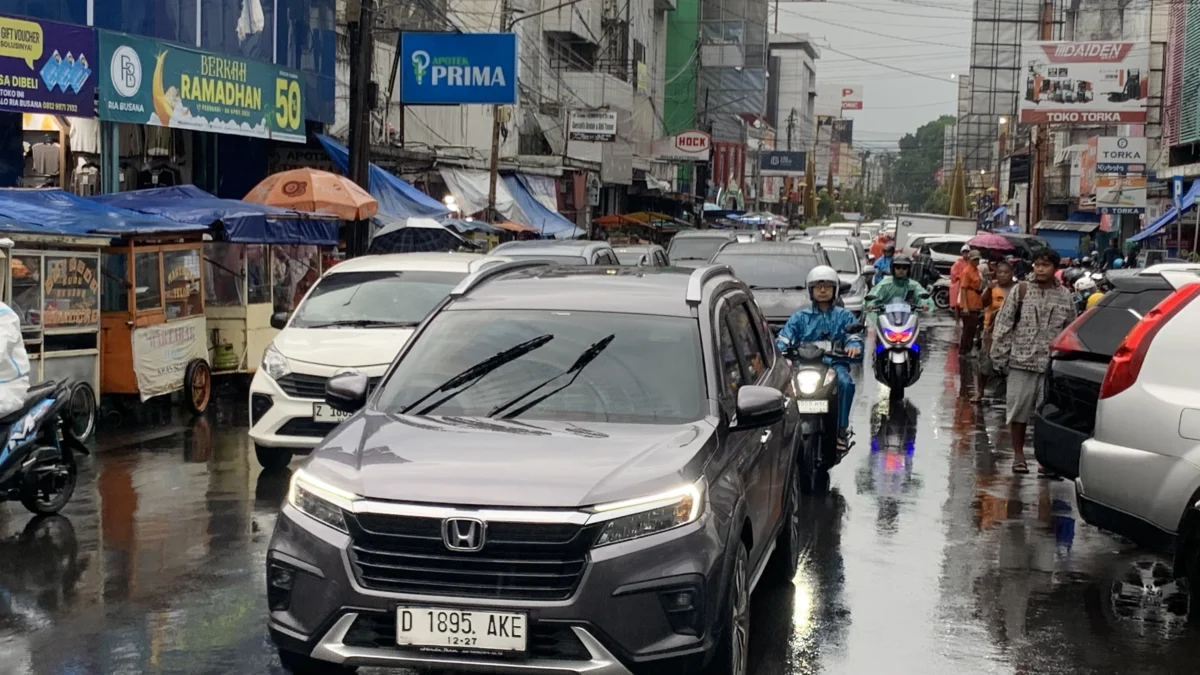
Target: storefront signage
<point>71,292</point>
<point>690,146</point>
<point>1085,82</point>
<point>147,81</point>
<point>840,96</point>
<point>161,354</point>
<point>1126,154</point>
<point>593,125</point>
<point>1120,194</point>
<point>457,68</point>
<point>781,163</point>
<point>47,67</point>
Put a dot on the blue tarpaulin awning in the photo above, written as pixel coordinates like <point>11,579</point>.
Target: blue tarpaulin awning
<point>396,198</point>
<point>1168,217</point>
<point>242,222</point>
<point>548,223</point>
<point>61,212</point>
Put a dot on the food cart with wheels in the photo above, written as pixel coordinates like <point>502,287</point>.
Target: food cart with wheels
<point>258,261</point>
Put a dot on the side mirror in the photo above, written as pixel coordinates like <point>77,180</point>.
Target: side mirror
<point>759,407</point>
<point>853,328</point>
<point>844,287</point>
<point>279,320</point>
<point>347,392</point>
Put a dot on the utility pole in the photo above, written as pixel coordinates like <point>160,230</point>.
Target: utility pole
<point>1042,138</point>
<point>494,167</point>
<point>362,47</point>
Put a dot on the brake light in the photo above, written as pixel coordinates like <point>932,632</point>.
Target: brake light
<point>1127,360</point>
<point>1068,339</point>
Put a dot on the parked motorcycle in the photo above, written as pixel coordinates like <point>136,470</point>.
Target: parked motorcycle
<point>941,293</point>
<point>816,387</point>
<point>37,462</point>
<point>897,354</point>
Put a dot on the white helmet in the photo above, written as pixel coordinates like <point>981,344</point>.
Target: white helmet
<point>823,273</point>
<point>1085,285</point>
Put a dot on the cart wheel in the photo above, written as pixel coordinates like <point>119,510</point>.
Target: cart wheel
<point>197,386</point>
<point>82,412</point>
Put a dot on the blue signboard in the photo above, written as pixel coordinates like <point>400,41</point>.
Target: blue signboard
<point>1177,192</point>
<point>456,68</point>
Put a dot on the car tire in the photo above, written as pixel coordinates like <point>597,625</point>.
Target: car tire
<point>732,655</point>
<point>272,459</point>
<point>786,560</point>
<point>298,664</point>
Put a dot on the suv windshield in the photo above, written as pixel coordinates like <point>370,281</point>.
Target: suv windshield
<point>386,299</point>
<point>843,260</point>
<point>769,270</point>
<point>649,372</point>
<point>694,248</point>
<point>560,259</point>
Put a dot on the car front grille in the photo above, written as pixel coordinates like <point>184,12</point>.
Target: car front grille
<point>519,561</point>
<point>546,640</point>
<point>305,426</point>
<point>299,385</point>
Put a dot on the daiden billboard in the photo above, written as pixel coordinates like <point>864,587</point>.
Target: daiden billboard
<point>1085,82</point>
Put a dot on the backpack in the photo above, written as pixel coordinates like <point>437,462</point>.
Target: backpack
<point>1022,289</point>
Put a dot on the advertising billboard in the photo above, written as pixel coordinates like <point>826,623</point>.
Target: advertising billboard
<point>1124,154</point>
<point>781,163</point>
<point>458,68</point>
<point>840,96</point>
<point>148,81</point>
<point>1120,194</point>
<point>689,146</point>
<point>1085,82</point>
<point>592,125</point>
<point>47,67</point>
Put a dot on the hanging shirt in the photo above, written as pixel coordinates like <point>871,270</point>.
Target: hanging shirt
<point>85,135</point>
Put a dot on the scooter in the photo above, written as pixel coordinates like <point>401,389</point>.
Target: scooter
<point>897,354</point>
<point>815,385</point>
<point>941,293</point>
<point>37,461</point>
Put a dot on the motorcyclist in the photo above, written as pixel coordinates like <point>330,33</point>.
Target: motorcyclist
<point>898,286</point>
<point>14,362</point>
<point>824,320</point>
<point>883,266</point>
<point>1086,293</point>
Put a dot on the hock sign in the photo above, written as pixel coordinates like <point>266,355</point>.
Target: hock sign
<point>458,68</point>
<point>689,146</point>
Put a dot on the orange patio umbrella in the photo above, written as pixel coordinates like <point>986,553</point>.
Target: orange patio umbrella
<point>313,190</point>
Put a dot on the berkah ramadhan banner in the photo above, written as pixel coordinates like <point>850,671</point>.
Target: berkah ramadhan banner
<point>147,81</point>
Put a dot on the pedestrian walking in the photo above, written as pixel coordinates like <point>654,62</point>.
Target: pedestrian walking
<point>955,282</point>
<point>993,300</point>
<point>970,303</point>
<point>1031,317</point>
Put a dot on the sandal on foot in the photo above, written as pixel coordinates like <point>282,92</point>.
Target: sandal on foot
<point>1020,466</point>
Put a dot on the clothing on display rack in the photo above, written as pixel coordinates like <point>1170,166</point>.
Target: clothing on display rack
<point>158,142</point>
<point>130,136</point>
<point>157,177</point>
<point>85,180</point>
<point>85,135</point>
<point>45,159</point>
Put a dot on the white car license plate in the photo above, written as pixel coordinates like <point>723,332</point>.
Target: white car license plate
<point>439,628</point>
<point>806,406</point>
<point>323,412</point>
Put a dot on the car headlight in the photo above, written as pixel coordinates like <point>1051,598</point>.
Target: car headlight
<point>808,381</point>
<point>320,500</point>
<point>275,364</point>
<point>634,518</point>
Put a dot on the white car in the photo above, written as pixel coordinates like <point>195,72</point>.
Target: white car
<point>357,317</point>
<point>1139,475</point>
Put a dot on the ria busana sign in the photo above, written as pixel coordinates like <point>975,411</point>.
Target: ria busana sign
<point>689,146</point>
<point>1085,82</point>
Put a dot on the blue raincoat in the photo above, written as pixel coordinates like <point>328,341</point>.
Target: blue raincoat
<point>883,267</point>
<point>812,325</point>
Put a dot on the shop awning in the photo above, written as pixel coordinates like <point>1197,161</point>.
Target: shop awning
<point>548,223</point>
<point>239,222</point>
<point>514,200</point>
<point>1168,217</point>
<point>397,198</point>
<point>65,213</point>
<point>1066,226</point>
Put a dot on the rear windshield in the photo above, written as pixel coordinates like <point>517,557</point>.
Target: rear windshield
<point>1116,314</point>
<point>694,248</point>
<point>843,260</point>
<point>631,257</point>
<point>645,370</point>
<point>769,271</point>
<point>366,299</point>
<point>560,259</point>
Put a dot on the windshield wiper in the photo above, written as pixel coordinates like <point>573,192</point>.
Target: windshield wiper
<point>364,323</point>
<point>475,373</point>
<point>776,288</point>
<point>582,362</point>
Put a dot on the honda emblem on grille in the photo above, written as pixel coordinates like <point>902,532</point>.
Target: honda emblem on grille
<point>463,534</point>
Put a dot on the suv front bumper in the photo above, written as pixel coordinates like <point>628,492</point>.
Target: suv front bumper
<point>614,622</point>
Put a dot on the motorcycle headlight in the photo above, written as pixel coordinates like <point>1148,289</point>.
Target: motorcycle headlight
<point>808,381</point>
<point>275,364</point>
<point>645,516</point>
<point>320,500</point>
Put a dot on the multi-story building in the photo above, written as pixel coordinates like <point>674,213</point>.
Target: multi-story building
<point>792,91</point>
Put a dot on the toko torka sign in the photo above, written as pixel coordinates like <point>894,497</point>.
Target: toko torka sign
<point>458,68</point>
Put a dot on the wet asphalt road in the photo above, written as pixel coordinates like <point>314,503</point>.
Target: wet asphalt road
<point>927,556</point>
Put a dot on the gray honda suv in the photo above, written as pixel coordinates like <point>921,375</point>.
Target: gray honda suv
<point>566,470</point>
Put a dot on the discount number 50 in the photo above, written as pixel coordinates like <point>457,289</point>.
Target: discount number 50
<point>287,103</point>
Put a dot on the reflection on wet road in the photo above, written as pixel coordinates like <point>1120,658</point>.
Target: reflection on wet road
<point>927,556</point>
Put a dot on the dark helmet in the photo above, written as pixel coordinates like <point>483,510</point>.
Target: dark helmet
<point>889,249</point>
<point>902,260</point>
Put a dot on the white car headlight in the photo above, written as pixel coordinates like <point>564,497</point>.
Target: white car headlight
<point>275,364</point>
<point>320,500</point>
<point>808,381</point>
<point>634,518</point>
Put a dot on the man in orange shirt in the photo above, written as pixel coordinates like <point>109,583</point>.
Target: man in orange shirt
<point>993,300</point>
<point>970,302</point>
<point>877,247</point>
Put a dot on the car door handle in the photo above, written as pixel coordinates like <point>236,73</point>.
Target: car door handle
<point>766,436</point>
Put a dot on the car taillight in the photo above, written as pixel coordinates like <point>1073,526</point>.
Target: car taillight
<point>1068,340</point>
<point>1127,360</point>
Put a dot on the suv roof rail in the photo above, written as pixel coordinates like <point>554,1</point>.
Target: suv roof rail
<point>491,271</point>
<point>695,288</point>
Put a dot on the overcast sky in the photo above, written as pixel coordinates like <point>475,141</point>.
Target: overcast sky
<point>931,38</point>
